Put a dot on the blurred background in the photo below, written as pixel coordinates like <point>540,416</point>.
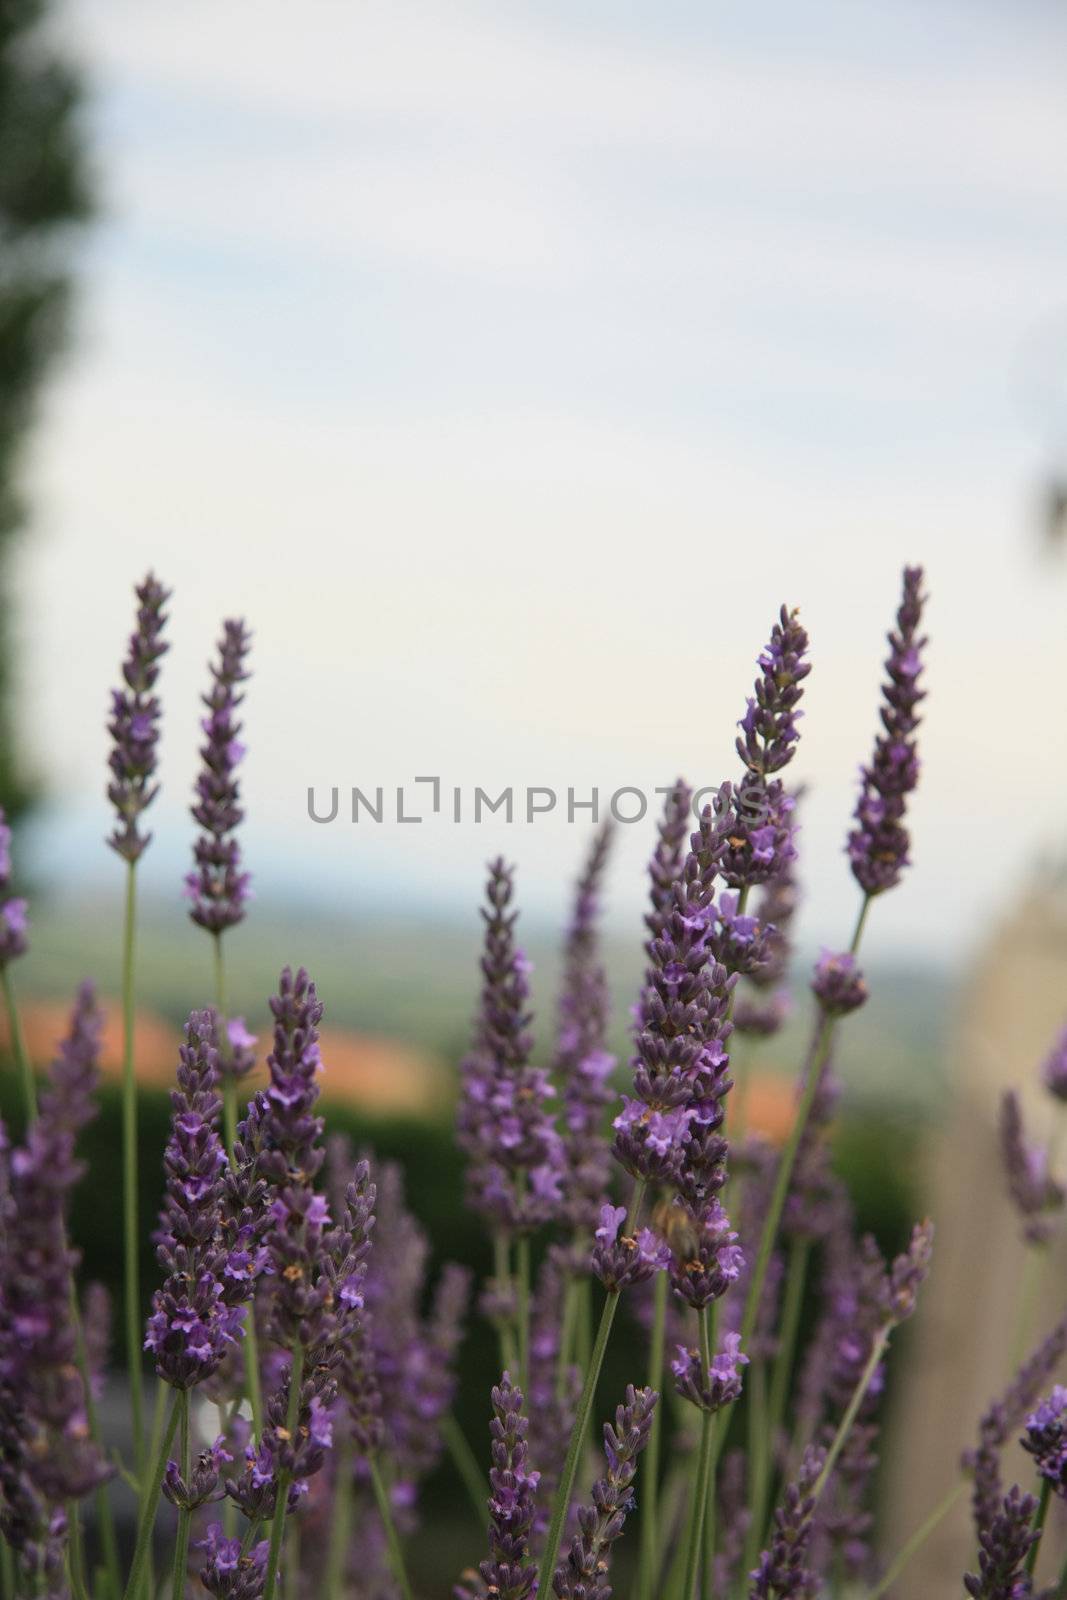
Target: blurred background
<point>506,367</point>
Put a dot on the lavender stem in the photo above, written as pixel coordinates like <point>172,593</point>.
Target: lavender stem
<point>181,1546</point>
<point>385,1511</point>
<point>878,1348</point>
<point>149,1507</point>
<point>917,1540</point>
<point>1038,1524</point>
<point>799,1257</point>
<point>582,1414</point>
<point>522,1286</point>
<point>648,1558</point>
<point>129,1176</point>
<point>821,1050</point>
<point>18,1046</point>
<point>701,1483</point>
<point>465,1463</point>
<point>292,1416</point>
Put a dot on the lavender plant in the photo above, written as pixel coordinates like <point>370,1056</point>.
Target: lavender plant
<point>294,1293</point>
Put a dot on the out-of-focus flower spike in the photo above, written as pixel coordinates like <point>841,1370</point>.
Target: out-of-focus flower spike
<point>878,844</point>
<point>1035,1192</point>
<point>134,723</point>
<point>14,912</point>
<point>218,888</point>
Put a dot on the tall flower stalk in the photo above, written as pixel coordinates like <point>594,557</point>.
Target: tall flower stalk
<point>878,853</point>
<point>134,730</point>
<point>218,887</point>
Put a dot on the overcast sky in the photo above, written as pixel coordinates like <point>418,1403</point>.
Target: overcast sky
<point>507,365</point>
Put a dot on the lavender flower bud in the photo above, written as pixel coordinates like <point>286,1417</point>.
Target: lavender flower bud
<point>782,1573</point>
<point>226,1573</point>
<point>705,1256</point>
<point>196,1316</point>
<point>622,1261</point>
<point>1002,1418</point>
<point>583,1573</point>
<point>718,1386</point>
<point>203,1486</point>
<point>1003,1548</point>
<point>1046,1439</point>
<point>769,729</point>
<point>218,888</point>
<point>504,1126</point>
<point>509,1573</point>
<point>1034,1190</point>
<point>14,919</point>
<point>838,984</point>
<point>134,724</point>
<point>878,844</point>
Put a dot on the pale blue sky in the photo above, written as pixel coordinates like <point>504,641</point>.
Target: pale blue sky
<point>507,365</point>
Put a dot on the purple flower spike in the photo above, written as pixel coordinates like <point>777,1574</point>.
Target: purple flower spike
<point>515,1170</point>
<point>769,729</point>
<point>878,844</point>
<point>1003,1417</point>
<point>1054,1072</point>
<point>14,920</point>
<point>706,1258</point>
<point>1003,1548</point>
<point>838,984</point>
<point>1046,1439</point>
<point>622,1260</point>
<point>509,1574</point>
<point>720,1384</point>
<point>196,1315</point>
<point>134,724</point>
<point>203,1486</point>
<point>218,888</point>
<point>47,1456</point>
<point>226,1573</point>
<point>782,1573</point>
<point>763,1012</point>
<point>1036,1193</point>
<point>582,1575</point>
<point>583,1065</point>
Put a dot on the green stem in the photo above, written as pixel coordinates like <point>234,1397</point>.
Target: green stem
<point>582,1414</point>
<point>792,1303</point>
<point>760,1444</point>
<point>1038,1524</point>
<point>129,1175</point>
<point>820,1051</point>
<point>76,1551</point>
<point>339,1525</point>
<point>502,1279</point>
<point>105,1519</point>
<point>7,1569</point>
<point>566,1334</point>
<point>649,1551</point>
<point>878,1347</point>
<point>917,1540</point>
<point>181,1544</point>
<point>392,1538</point>
<point>149,1507</point>
<point>292,1417</point>
<point>466,1464</point>
<point>694,1533</point>
<point>522,1289</point>
<point>18,1048</point>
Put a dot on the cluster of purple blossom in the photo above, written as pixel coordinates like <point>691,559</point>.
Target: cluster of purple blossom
<point>292,1293</point>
